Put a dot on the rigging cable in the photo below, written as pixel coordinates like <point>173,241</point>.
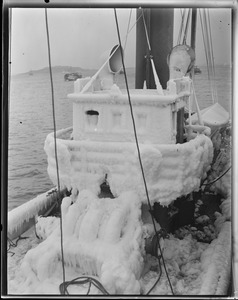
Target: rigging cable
<point>204,43</point>
<point>127,32</point>
<point>209,53</point>
<point>212,55</point>
<point>181,26</point>
<point>55,148</point>
<point>216,179</point>
<point>138,149</point>
<point>182,29</point>
<point>207,48</point>
<point>186,27</point>
<point>134,24</point>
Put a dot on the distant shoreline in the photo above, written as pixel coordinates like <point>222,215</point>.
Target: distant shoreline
<point>60,69</point>
<point>70,69</point>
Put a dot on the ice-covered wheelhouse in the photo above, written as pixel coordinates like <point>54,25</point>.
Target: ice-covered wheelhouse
<point>102,143</point>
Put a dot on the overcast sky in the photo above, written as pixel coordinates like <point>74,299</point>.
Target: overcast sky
<point>79,36</point>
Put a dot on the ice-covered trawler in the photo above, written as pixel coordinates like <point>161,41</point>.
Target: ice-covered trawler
<point>107,236</point>
<point>101,145</point>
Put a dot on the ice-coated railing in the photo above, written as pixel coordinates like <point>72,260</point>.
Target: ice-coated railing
<point>171,170</point>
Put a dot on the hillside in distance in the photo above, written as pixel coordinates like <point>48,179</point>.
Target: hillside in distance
<point>58,69</point>
<point>64,70</point>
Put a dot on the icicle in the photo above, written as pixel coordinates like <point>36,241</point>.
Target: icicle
<point>144,86</point>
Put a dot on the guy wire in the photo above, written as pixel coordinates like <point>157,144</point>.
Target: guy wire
<point>138,149</point>
<point>54,123</point>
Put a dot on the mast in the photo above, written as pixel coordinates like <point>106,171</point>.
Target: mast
<point>159,24</point>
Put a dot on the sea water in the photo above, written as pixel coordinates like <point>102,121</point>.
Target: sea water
<point>31,119</point>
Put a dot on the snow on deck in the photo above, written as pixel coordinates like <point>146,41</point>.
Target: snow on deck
<point>194,268</point>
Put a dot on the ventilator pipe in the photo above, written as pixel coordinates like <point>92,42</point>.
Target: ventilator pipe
<point>110,64</point>
<point>180,60</point>
<point>114,64</point>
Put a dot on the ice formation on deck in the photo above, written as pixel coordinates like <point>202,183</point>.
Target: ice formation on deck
<point>216,263</point>
<point>102,237</point>
<point>194,268</point>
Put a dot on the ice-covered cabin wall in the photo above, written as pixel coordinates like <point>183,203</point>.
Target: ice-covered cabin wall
<point>106,116</point>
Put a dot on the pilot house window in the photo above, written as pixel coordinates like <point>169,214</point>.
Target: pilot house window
<point>92,118</point>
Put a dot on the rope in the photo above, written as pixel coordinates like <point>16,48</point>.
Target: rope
<point>12,244</point>
<point>183,14</point>
<point>181,26</point>
<point>83,280</point>
<point>212,55</point>
<point>158,279</point>
<point>54,123</point>
<point>186,27</point>
<point>138,149</point>
<point>134,24</point>
<point>216,179</point>
<point>203,35</point>
<point>208,53</point>
<point>208,46</point>
<point>127,32</point>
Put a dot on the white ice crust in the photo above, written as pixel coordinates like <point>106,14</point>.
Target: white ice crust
<point>102,237</point>
<point>171,170</point>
